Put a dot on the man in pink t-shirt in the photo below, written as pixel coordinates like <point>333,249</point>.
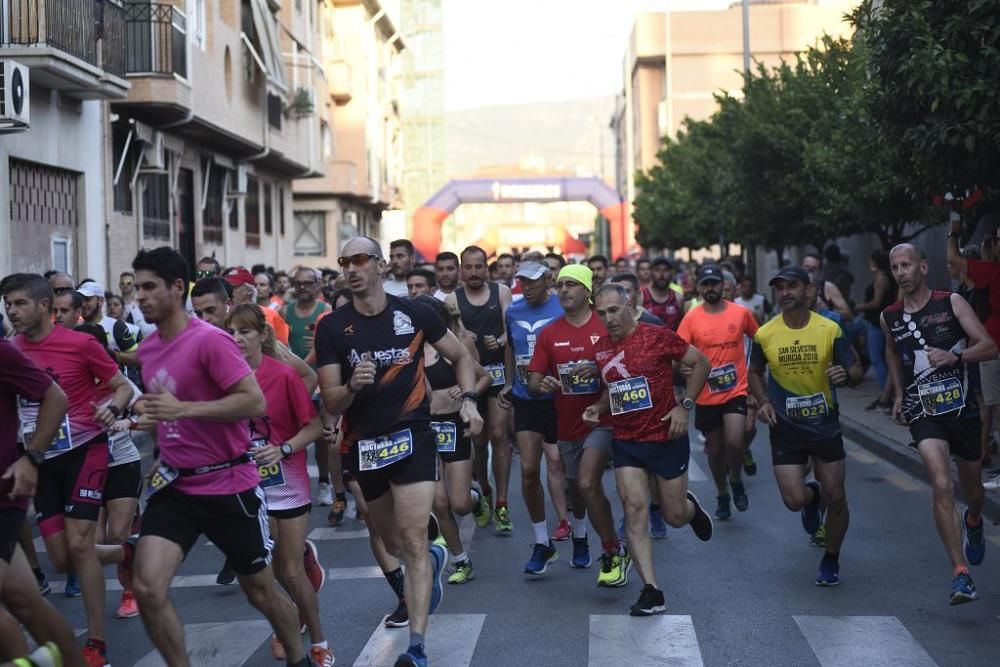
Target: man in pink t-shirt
<point>73,469</point>
<point>201,392</point>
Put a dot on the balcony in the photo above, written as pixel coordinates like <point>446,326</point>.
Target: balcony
<point>339,82</point>
<point>74,46</point>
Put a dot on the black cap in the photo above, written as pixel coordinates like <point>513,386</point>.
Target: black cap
<point>790,273</point>
<point>709,272</point>
<point>663,261</point>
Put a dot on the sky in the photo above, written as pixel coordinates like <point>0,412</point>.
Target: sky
<point>523,51</point>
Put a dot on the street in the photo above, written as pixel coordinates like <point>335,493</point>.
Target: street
<point>745,598</point>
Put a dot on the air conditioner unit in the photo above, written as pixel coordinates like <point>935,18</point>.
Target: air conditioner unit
<point>153,157</point>
<point>238,185</point>
<point>14,98</point>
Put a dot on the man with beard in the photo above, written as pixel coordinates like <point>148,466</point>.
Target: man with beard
<point>400,264</point>
<point>644,271</point>
<point>121,340</point>
<point>719,328</point>
<point>806,356</point>
<point>483,307</point>
<point>598,265</point>
<point>445,274</point>
<point>663,298</point>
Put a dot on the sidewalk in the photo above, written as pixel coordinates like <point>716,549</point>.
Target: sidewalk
<point>875,431</point>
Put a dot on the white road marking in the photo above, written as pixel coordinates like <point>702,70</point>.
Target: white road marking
<point>872,641</point>
<point>227,644</point>
<point>451,641</point>
<point>643,642</point>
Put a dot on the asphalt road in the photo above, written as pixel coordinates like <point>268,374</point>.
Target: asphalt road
<point>745,598</point>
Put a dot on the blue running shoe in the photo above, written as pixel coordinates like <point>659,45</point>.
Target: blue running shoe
<point>621,530</point>
<point>438,558</point>
<point>811,518</point>
<point>975,545</point>
<point>962,589</point>
<point>829,573</point>
<point>72,589</point>
<point>541,556</point>
<point>414,657</point>
<point>581,553</point>
<point>657,526</point>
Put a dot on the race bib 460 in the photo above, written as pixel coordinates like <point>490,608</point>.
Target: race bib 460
<point>629,395</point>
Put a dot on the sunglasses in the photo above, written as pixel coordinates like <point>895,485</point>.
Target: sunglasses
<point>204,274</point>
<point>61,290</point>
<point>360,259</point>
<point>304,283</point>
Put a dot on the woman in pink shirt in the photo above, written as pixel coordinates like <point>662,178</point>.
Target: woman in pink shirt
<point>278,444</point>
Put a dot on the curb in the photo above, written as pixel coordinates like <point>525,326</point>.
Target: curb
<point>905,458</point>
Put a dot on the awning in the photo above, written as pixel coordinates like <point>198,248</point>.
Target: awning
<point>266,27</point>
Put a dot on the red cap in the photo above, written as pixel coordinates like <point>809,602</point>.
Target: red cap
<point>239,276</point>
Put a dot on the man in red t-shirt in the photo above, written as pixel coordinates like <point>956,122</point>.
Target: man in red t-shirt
<point>650,428</point>
<point>564,364</point>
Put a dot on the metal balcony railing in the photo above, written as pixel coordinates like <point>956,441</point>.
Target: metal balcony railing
<point>72,26</point>
<point>155,39</point>
<point>113,39</point>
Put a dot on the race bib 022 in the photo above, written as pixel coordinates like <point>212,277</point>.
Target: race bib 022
<point>806,408</point>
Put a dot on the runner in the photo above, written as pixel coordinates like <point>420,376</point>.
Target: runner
<point>400,264</point>
<point>67,309</point>
<point>126,285</point>
<point>121,340</point>
<point>452,491</point>
<point>483,307</point>
<point>71,479</point>
<point>245,291</point>
<point>278,445</point>
<point>419,281</point>
<point>535,418</point>
<point>720,328</point>
<point>598,265</point>
<point>663,298</point>
<point>930,337</point>
<point>650,428</point>
<point>751,300</point>
<point>806,356</point>
<point>564,364</point>
<point>370,359</point>
<point>445,274</point>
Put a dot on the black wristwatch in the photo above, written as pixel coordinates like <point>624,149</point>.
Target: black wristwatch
<point>470,396</point>
<point>286,450</point>
<point>36,457</point>
<point>687,403</point>
<point>115,410</point>
<point>959,355</point>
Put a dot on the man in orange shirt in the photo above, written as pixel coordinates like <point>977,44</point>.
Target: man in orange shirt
<point>245,291</point>
<point>719,328</point>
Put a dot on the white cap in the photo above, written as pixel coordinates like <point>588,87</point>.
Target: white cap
<point>91,289</point>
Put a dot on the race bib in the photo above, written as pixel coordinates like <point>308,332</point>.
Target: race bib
<point>63,441</point>
<point>376,453</point>
<point>521,363</point>
<point>498,376</point>
<point>629,395</point>
<point>572,383</point>
<point>161,478</point>
<point>447,436</point>
<point>941,396</point>
<point>722,378</point>
<point>806,408</point>
<point>271,474</point>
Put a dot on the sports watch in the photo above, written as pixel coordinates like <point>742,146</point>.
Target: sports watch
<point>470,396</point>
<point>687,403</point>
<point>36,457</point>
<point>286,450</point>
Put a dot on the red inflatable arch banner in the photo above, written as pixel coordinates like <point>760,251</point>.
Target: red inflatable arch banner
<point>427,219</point>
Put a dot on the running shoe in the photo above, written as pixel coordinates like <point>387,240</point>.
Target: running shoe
<point>811,519</point>
<point>993,483</point>
<point>975,545</point>
<point>701,523</point>
<point>324,494</point>
<point>94,655</point>
<point>47,655</point>
<point>439,556</point>
<point>541,556</point>
<point>962,589</point>
<point>740,499</point>
<point>749,465</point>
<point>336,515</point>
<point>563,531</point>
<point>226,575</point>
<point>413,657</point>
<point>829,573</point>
<point>463,573</point>
<point>614,571</point>
<point>818,539</point>
<point>657,526</point>
<point>581,553</point>
<point>44,588</point>
<point>400,618</point>
<point>723,511</point>
<point>650,602</point>
<point>314,569</point>
<point>501,519</point>
<point>72,589</point>
<point>322,657</point>
<point>127,608</point>
<point>482,512</point>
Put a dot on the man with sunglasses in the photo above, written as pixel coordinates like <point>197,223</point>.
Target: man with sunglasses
<point>371,370</point>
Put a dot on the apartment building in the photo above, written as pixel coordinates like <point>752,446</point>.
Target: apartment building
<point>361,134</point>
<point>52,156</point>
<point>222,115</point>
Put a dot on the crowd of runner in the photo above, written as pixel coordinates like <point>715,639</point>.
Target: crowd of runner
<point>414,384</point>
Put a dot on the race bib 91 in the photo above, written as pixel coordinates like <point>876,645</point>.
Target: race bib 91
<point>447,436</point>
<point>629,395</point>
<point>376,453</point>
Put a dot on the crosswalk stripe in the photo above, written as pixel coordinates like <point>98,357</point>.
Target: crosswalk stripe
<point>643,642</point>
<point>371,572</point>
<point>326,533</point>
<point>227,644</point>
<point>873,641</point>
<point>451,641</point>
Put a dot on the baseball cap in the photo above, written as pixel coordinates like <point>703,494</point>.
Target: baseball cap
<point>709,273</point>
<point>531,270</point>
<point>790,273</point>
<point>663,261</point>
<point>239,275</point>
<point>579,273</point>
<point>91,289</point>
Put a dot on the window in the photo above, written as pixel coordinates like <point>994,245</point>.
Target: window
<point>252,213</point>
<point>310,234</point>
<point>196,22</point>
<point>246,25</point>
<point>156,207</point>
<point>268,209</point>
<point>274,110</point>
<point>281,211</point>
<point>326,140</point>
<point>60,254</point>
<point>123,189</point>
<point>212,214</point>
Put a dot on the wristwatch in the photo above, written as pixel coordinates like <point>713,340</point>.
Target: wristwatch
<point>959,355</point>
<point>470,396</point>
<point>286,450</point>
<point>687,403</point>
<point>36,457</point>
<point>114,409</point>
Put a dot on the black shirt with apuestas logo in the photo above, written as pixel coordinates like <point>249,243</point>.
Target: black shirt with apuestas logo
<point>395,341</point>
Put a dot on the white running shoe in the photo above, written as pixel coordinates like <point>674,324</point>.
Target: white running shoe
<point>325,494</point>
